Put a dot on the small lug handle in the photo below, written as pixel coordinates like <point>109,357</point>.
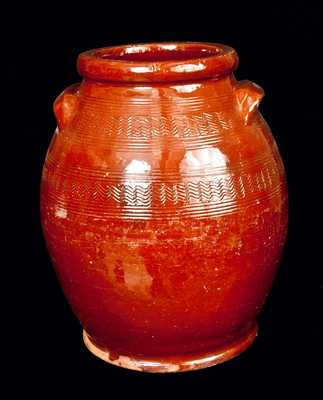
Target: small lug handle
<point>248,96</point>
<point>65,106</point>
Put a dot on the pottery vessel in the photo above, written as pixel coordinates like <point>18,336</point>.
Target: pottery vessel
<point>164,205</point>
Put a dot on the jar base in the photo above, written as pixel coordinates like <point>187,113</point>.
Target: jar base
<point>178,364</point>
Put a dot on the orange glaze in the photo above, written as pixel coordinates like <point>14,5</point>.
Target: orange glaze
<point>164,202</point>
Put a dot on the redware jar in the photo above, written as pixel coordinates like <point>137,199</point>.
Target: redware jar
<point>164,205</point>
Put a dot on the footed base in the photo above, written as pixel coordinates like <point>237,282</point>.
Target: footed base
<point>176,364</point>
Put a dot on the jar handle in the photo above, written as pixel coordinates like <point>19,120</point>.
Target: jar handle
<point>248,96</point>
<point>65,106</point>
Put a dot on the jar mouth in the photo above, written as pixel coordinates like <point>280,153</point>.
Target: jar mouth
<point>158,62</point>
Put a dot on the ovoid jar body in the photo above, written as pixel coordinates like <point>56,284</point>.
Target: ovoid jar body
<point>164,205</point>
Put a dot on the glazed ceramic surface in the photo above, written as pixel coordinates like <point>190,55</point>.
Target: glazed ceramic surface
<point>164,205</point>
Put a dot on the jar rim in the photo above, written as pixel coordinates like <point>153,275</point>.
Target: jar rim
<point>158,62</point>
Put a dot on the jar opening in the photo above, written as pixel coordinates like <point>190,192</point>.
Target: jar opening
<point>155,54</point>
<point>158,62</point>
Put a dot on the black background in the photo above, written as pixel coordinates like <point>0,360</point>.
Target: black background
<point>279,45</point>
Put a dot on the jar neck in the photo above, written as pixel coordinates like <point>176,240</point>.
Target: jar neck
<point>155,98</point>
